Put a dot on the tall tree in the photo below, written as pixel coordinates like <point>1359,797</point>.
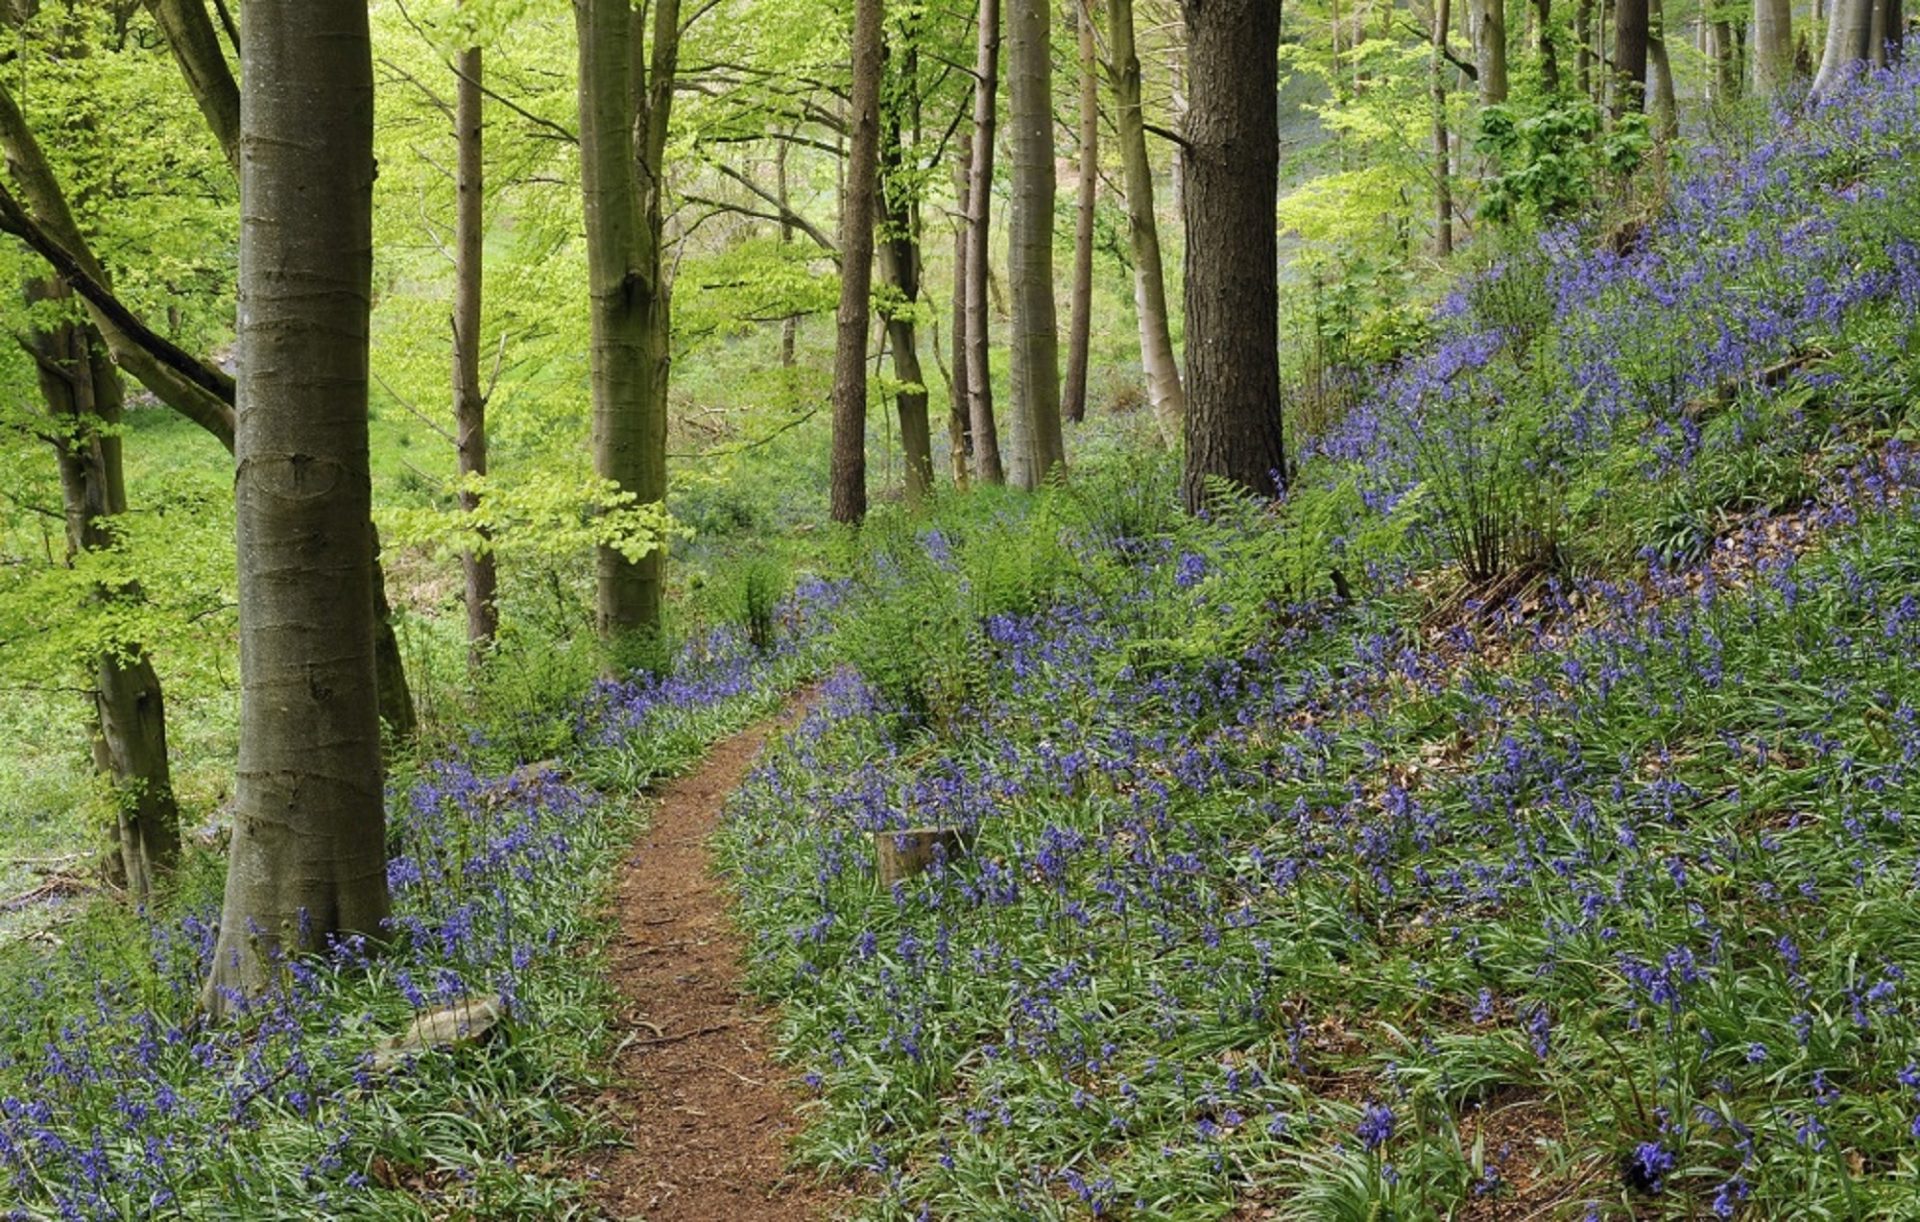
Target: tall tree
<point>1772,45</point>
<point>469,398</point>
<point>626,100</point>
<point>1442,141</point>
<point>898,252</point>
<point>960,382</point>
<point>308,860</point>
<point>986,437</point>
<point>1629,55</point>
<point>1080,321</point>
<point>848,479</point>
<point>1164,391</point>
<point>1232,158</point>
<point>1034,343</point>
<point>82,394</point>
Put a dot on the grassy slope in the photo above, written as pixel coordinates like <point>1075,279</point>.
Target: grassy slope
<point>1599,903</point>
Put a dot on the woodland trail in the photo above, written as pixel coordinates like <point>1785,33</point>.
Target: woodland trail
<point>708,1115</point>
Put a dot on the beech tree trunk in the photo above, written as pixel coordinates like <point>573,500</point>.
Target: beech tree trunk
<point>790,325</point>
<point>1772,45</point>
<point>1583,55</point>
<point>308,860</point>
<point>626,97</point>
<point>1034,335</point>
<point>986,437</point>
<point>1665,107</point>
<point>1080,324</point>
<point>899,256</point>
<point>1164,391</point>
<point>848,481</point>
<point>469,400</point>
<point>1442,143</point>
<point>1629,56</point>
<point>81,391</point>
<point>960,384</point>
<point>1232,158</point>
<point>1491,51</point>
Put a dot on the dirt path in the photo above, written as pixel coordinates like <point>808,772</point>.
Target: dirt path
<point>708,1114</point>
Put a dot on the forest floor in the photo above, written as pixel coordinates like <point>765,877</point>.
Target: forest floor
<point>708,1115</point>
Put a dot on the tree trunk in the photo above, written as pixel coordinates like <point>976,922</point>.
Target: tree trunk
<point>848,490</point>
<point>1665,107</point>
<point>986,437</point>
<point>1849,34</point>
<point>1034,346</point>
<point>1491,52</point>
<point>960,385</point>
<point>1543,40</point>
<point>1164,391</point>
<point>626,95</point>
<point>469,400</point>
<point>1772,45</point>
<point>1080,325</point>
<point>196,48</point>
<point>1629,56</point>
<point>899,258</point>
<point>790,325</point>
<point>1583,55</point>
<point>1233,301</point>
<point>308,860</point>
<point>1442,150</point>
<point>1726,62</point>
<point>81,390</point>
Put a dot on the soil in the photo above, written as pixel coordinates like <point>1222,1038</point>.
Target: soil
<point>708,1115</point>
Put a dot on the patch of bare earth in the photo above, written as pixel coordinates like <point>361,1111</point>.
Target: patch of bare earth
<point>708,1115</point>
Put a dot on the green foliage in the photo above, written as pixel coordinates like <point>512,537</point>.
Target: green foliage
<point>1553,159</point>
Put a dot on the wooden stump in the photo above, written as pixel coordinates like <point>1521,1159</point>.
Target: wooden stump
<point>900,855</point>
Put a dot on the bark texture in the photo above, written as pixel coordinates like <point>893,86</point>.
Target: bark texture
<point>848,478</point>
<point>478,567</point>
<point>309,841</point>
<point>1233,429</point>
<point>1490,51</point>
<point>1164,390</point>
<point>987,466</point>
<point>626,96</point>
<point>1036,446</point>
<point>1629,56</point>
<point>1073,402</point>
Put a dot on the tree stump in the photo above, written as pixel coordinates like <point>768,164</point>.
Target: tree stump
<point>900,855</point>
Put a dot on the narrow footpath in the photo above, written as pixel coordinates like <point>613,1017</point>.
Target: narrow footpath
<point>708,1114</point>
